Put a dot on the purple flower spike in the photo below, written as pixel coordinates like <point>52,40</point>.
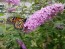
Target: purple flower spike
<point>11,9</point>
<point>14,2</point>
<point>41,16</point>
<point>21,44</point>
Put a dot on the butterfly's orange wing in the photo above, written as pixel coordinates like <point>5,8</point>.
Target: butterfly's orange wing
<point>18,22</point>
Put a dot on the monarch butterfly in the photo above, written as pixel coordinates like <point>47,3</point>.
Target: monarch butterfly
<point>16,21</point>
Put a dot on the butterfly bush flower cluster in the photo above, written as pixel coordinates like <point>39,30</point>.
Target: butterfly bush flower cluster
<point>11,9</point>
<point>11,3</point>
<point>41,16</point>
<point>21,44</point>
<point>14,2</point>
